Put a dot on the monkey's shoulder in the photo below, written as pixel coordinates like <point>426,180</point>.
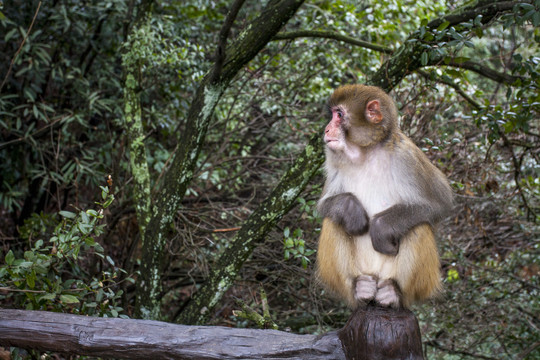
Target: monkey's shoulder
<point>405,152</point>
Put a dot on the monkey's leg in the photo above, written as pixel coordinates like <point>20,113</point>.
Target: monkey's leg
<point>418,266</point>
<point>335,261</point>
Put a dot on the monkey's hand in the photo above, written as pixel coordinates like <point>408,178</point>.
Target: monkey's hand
<point>384,237</point>
<point>389,226</point>
<point>347,211</point>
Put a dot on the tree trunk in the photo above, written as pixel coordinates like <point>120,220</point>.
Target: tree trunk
<point>177,178</point>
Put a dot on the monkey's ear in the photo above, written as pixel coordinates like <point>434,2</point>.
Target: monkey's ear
<point>373,112</point>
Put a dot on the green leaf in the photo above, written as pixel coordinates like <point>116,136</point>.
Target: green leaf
<point>289,243</point>
<point>443,26</point>
<point>9,258</point>
<point>38,244</point>
<point>26,264</point>
<point>452,275</point>
<point>48,296</point>
<point>536,19</point>
<point>84,218</point>
<point>31,280</point>
<point>69,299</point>
<point>110,260</point>
<point>424,58</point>
<point>461,59</point>
<point>92,212</point>
<point>478,20</point>
<point>67,214</point>
<point>526,6</point>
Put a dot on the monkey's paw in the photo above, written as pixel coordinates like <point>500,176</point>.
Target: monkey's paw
<point>347,211</point>
<point>384,238</point>
<point>365,288</point>
<point>388,294</point>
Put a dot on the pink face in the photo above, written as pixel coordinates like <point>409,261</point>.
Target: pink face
<point>333,133</point>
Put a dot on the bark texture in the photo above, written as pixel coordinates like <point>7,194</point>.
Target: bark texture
<point>148,339</point>
<point>376,333</point>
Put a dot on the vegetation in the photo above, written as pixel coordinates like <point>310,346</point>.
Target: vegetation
<point>162,159</point>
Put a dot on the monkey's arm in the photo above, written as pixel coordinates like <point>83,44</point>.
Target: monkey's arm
<point>432,201</point>
<point>347,211</point>
<point>388,227</point>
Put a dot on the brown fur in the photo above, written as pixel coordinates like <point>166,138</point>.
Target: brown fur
<point>416,269</point>
<point>381,167</point>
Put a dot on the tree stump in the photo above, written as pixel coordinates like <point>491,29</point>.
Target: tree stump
<point>376,333</point>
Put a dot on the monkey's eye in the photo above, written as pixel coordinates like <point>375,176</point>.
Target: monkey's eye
<point>339,114</point>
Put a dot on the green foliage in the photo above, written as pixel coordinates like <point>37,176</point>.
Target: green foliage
<point>36,278</point>
<point>502,290</point>
<point>295,246</point>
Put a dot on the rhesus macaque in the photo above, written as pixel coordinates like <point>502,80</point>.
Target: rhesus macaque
<point>380,202</point>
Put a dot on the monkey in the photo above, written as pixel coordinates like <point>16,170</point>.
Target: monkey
<point>380,202</point>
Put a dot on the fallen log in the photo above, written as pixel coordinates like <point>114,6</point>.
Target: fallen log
<point>146,339</point>
<point>371,334</point>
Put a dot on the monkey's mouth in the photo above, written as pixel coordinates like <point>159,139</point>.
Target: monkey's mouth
<point>328,140</point>
<point>332,143</point>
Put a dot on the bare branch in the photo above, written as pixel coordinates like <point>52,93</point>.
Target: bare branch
<point>486,71</point>
<point>334,36</point>
<point>453,86</point>
<point>20,47</point>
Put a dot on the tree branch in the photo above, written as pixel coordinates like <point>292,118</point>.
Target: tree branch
<point>454,86</point>
<point>223,35</point>
<point>407,58</point>
<point>489,9</point>
<point>334,36</point>
<point>253,232</point>
<point>20,47</point>
<point>175,181</point>
<point>486,72</point>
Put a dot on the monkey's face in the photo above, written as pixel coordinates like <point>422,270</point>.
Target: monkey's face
<point>361,116</point>
<point>346,131</point>
<point>334,133</point>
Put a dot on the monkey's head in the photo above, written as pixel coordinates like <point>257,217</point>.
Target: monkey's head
<point>362,116</point>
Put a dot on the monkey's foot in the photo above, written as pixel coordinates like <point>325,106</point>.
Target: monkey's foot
<point>388,294</point>
<point>365,288</point>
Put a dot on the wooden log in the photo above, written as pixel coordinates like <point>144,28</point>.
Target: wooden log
<point>145,339</point>
<point>371,333</point>
<point>376,333</point>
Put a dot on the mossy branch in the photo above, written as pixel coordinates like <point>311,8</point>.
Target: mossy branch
<point>176,179</point>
